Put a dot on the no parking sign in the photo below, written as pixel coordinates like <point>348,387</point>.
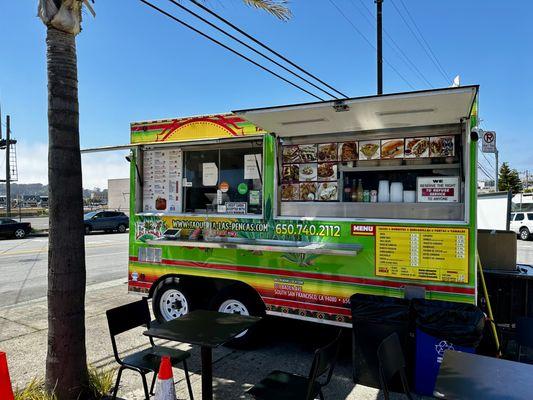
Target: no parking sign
<point>488,142</point>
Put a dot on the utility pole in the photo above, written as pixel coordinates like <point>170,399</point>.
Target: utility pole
<point>6,144</point>
<point>379,27</point>
<point>8,167</point>
<point>497,170</point>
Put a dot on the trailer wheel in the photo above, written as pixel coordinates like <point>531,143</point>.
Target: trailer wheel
<point>171,300</point>
<point>237,301</point>
<point>524,234</point>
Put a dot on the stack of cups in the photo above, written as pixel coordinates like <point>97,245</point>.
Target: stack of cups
<point>383,192</point>
<point>396,192</point>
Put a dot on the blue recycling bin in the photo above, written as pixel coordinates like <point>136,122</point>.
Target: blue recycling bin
<point>441,326</point>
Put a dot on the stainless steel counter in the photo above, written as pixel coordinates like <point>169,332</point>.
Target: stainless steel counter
<point>279,246</point>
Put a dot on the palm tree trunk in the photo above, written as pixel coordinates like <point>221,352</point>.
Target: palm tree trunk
<point>66,364</point>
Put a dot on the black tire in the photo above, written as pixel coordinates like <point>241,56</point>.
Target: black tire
<point>87,229</point>
<point>525,234</point>
<point>222,302</point>
<point>171,299</point>
<point>20,234</point>
<point>122,228</point>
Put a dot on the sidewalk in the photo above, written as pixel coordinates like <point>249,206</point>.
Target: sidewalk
<point>23,334</point>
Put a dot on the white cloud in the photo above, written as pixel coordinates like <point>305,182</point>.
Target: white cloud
<point>97,168</point>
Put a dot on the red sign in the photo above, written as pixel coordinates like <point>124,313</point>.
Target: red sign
<point>438,192</point>
<point>363,230</point>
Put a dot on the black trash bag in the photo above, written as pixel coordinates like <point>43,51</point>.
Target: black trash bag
<point>459,323</point>
<point>373,319</point>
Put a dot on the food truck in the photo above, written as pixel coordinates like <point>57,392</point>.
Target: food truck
<point>290,210</point>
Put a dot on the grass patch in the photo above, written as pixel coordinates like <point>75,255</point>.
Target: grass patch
<point>101,382</point>
<point>35,390</point>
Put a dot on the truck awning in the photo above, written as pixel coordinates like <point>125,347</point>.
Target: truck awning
<point>397,110</point>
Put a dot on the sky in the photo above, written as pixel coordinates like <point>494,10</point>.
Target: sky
<point>135,64</point>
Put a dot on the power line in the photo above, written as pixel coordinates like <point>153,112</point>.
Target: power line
<point>370,43</point>
<point>446,79</point>
<point>257,41</point>
<point>251,48</point>
<point>485,173</point>
<point>229,49</point>
<point>424,39</point>
<point>486,159</point>
<point>482,169</point>
<point>397,48</point>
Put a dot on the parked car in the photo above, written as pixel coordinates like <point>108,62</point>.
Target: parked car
<point>11,228</point>
<point>522,224</point>
<point>107,221</point>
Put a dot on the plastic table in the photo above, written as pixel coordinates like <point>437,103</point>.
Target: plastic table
<point>207,329</point>
<point>471,376</point>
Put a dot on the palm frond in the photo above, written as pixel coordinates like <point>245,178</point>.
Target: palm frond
<point>278,8</point>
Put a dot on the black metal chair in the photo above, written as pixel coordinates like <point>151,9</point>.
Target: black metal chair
<point>524,334</point>
<point>280,385</point>
<point>133,315</point>
<point>392,363</point>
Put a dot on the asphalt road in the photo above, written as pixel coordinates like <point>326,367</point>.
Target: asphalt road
<point>23,264</point>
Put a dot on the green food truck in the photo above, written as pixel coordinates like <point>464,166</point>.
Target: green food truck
<point>290,210</point>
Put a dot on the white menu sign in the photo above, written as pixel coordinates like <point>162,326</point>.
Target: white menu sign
<point>438,189</point>
<point>161,180</point>
<point>252,166</point>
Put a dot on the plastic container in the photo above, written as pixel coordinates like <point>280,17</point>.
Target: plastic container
<point>396,192</point>
<point>383,192</point>
<point>442,325</point>
<point>374,318</point>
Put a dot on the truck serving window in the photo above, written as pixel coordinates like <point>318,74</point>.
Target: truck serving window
<point>226,179</point>
<point>395,174</point>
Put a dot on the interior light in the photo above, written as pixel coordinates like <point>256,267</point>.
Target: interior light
<point>303,121</point>
<point>402,112</point>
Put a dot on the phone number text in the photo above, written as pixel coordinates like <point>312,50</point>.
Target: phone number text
<point>308,230</point>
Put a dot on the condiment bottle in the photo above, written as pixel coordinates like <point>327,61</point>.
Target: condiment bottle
<point>366,196</point>
<point>347,189</point>
<point>360,191</point>
<point>354,191</point>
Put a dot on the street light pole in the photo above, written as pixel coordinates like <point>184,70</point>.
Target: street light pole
<point>379,27</point>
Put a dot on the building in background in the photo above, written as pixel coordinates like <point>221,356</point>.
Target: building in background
<point>118,194</point>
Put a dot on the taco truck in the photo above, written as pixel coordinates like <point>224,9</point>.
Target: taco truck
<point>290,210</point>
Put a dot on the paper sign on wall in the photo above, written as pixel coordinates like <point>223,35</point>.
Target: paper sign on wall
<point>209,174</point>
<point>438,189</point>
<point>252,166</point>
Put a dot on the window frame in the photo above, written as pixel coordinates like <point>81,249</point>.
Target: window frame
<point>243,143</point>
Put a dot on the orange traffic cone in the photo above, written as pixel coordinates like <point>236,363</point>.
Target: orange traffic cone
<point>164,389</point>
<point>6,392</point>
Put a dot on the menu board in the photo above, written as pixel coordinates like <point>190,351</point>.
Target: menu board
<point>436,254</point>
<point>161,180</point>
<point>309,172</point>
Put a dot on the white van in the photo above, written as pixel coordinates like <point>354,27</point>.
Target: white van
<point>522,224</point>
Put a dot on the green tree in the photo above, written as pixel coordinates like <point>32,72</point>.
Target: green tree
<point>66,364</point>
<point>508,179</point>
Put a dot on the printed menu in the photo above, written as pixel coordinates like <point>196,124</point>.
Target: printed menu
<point>437,254</point>
<point>309,172</point>
<point>161,180</point>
